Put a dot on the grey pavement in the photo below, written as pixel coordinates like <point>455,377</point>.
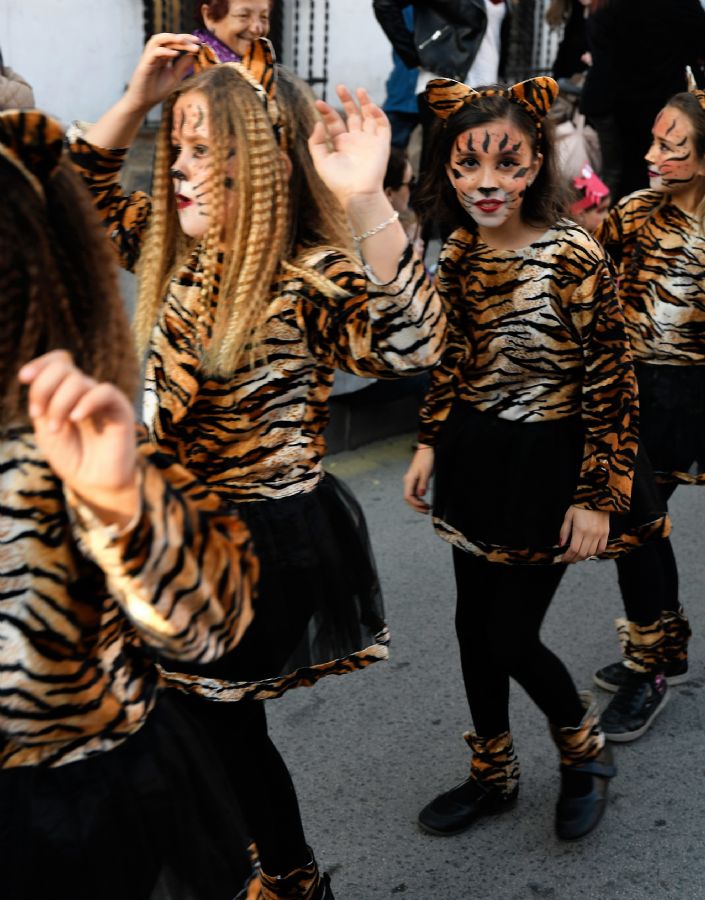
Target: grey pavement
<point>368,750</point>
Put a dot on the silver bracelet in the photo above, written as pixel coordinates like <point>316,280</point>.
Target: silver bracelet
<point>359,238</point>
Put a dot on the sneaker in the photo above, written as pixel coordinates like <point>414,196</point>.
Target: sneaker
<point>612,678</point>
<point>456,809</point>
<point>634,707</point>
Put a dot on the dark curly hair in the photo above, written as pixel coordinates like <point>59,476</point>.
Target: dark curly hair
<point>59,286</point>
<point>545,200</point>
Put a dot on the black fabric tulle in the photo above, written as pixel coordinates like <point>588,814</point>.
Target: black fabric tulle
<point>507,485</point>
<point>672,420</point>
<point>153,819</point>
<point>318,597</point>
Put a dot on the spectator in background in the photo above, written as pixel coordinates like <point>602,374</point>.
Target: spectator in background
<point>401,105</point>
<point>465,40</point>
<point>399,182</point>
<point>230,26</point>
<point>573,46</point>
<point>639,54</point>
<point>15,92</point>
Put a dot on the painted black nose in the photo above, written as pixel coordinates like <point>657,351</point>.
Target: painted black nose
<point>487,191</point>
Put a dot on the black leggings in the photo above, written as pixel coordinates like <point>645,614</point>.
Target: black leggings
<point>498,618</point>
<point>259,777</point>
<point>648,577</point>
<point>238,731</point>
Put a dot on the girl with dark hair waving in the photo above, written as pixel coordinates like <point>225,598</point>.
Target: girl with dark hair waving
<point>530,422</point>
<point>107,555</point>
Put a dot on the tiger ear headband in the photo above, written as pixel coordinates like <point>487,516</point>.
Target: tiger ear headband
<point>537,95</point>
<point>257,68</point>
<point>33,143</point>
<point>693,87</point>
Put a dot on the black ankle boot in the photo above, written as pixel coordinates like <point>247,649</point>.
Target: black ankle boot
<point>586,767</point>
<point>577,813</point>
<point>456,809</point>
<point>493,787</point>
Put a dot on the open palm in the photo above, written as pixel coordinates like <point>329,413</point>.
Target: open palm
<point>351,154</point>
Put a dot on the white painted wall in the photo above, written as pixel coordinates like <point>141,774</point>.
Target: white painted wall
<point>77,54</point>
<point>359,52</point>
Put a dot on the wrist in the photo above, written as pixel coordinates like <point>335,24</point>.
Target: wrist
<point>366,203</point>
<point>114,506</point>
<point>130,107</point>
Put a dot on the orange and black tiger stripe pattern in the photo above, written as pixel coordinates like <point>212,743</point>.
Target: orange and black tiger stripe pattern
<point>536,95</point>
<point>659,251</point>
<point>258,433</point>
<point>539,336</point>
<point>75,639</point>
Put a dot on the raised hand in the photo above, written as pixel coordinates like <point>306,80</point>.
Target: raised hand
<point>86,432</point>
<point>165,60</point>
<point>351,154</point>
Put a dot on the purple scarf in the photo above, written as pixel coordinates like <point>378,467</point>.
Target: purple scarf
<point>221,50</point>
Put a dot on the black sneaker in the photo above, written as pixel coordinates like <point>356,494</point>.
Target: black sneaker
<point>634,707</point>
<point>611,678</point>
<point>456,809</point>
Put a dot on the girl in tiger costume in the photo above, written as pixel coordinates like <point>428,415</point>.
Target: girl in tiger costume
<point>657,240</point>
<point>107,555</point>
<point>250,297</point>
<point>530,421</point>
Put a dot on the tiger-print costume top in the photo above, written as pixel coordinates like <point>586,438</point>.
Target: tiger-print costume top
<point>660,254</point>
<point>77,678</point>
<point>537,334</point>
<point>259,433</point>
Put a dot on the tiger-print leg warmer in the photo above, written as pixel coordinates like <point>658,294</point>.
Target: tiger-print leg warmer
<point>643,646</point>
<point>584,742</point>
<point>305,883</point>
<point>494,761</point>
<point>677,633</point>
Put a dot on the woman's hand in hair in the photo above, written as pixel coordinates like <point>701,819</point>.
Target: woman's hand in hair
<point>163,65</point>
<point>165,60</point>
<point>584,533</point>
<point>418,478</point>
<point>86,432</point>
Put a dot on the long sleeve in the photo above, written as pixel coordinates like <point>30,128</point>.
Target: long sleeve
<point>609,402</point>
<point>125,216</point>
<point>183,571</point>
<point>376,330</point>
<point>442,388</point>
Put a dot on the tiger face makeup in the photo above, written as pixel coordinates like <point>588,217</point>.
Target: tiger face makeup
<point>673,161</point>
<point>490,168</point>
<point>191,170</point>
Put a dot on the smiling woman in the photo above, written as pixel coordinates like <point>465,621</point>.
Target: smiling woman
<point>230,26</point>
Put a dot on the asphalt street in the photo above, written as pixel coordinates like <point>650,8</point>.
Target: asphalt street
<point>368,750</point>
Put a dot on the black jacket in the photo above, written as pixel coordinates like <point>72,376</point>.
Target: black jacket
<point>447,33</point>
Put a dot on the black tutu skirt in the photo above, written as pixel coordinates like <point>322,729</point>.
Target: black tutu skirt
<point>502,488</point>
<point>672,421</point>
<point>152,819</point>
<point>319,608</point>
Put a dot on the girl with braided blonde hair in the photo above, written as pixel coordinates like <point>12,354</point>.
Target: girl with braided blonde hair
<point>251,295</point>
